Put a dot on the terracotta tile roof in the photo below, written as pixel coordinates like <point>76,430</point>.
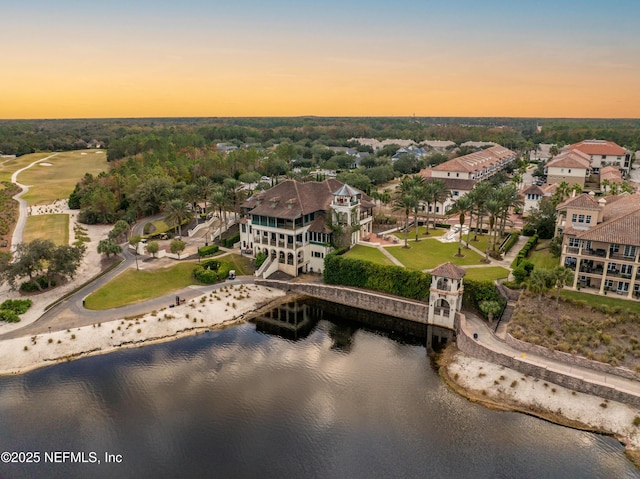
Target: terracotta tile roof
<point>598,147</point>
<point>620,205</point>
<point>570,159</point>
<point>583,201</point>
<point>452,183</point>
<point>611,173</point>
<point>448,270</point>
<point>476,161</point>
<point>623,230</point>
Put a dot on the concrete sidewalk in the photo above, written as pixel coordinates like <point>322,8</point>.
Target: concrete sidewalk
<point>490,341</point>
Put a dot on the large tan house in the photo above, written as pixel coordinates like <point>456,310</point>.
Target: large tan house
<point>292,223</point>
<point>572,167</point>
<point>601,242</point>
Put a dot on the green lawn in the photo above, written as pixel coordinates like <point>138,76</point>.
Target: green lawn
<point>596,300</point>
<point>242,264</point>
<point>421,233</point>
<point>489,273</point>
<point>429,254</point>
<point>542,258</point>
<point>52,227</point>
<point>50,183</point>
<point>368,253</point>
<point>134,286</point>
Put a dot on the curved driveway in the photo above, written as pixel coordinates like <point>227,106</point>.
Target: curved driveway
<point>22,214</point>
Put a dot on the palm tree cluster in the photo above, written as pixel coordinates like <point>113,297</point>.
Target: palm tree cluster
<point>485,202</point>
<point>414,193</point>
<point>181,206</point>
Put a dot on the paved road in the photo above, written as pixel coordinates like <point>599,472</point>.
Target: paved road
<point>71,313</point>
<point>22,212</point>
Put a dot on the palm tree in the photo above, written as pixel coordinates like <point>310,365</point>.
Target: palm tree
<point>413,186</point>
<point>537,282</point>
<point>405,202</point>
<point>562,192</point>
<point>494,209</point>
<point>177,213</point>
<point>232,192</point>
<point>480,195</point>
<point>434,192</point>
<point>205,189</point>
<point>463,206</point>
<point>561,277</point>
<point>509,198</point>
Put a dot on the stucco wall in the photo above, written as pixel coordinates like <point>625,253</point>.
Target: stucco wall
<point>468,345</point>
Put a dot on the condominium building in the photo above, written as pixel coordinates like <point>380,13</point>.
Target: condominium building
<point>604,153</point>
<point>478,166</point>
<point>294,223</point>
<point>571,166</point>
<point>601,242</point>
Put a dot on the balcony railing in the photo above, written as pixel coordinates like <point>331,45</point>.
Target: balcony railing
<point>622,257</point>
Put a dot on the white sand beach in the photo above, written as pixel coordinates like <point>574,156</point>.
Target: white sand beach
<point>227,305</point>
<point>503,388</point>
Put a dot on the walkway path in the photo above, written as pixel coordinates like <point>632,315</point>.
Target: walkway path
<point>487,339</point>
<point>22,212</point>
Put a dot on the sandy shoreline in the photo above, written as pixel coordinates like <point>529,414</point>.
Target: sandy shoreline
<point>501,388</point>
<point>228,305</point>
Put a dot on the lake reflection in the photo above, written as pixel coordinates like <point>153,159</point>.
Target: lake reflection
<point>340,401</point>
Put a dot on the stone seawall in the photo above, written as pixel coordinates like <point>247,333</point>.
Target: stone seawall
<point>357,298</point>
<point>571,359</point>
<point>468,345</point>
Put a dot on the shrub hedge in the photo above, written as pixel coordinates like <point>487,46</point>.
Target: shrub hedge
<point>229,242</point>
<point>208,250</point>
<point>524,252</point>
<point>9,316</point>
<point>31,287</point>
<point>19,306</point>
<point>475,292</point>
<point>211,271</point>
<point>387,279</point>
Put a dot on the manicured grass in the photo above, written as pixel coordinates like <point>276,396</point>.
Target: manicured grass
<point>56,182</point>
<point>8,167</point>
<point>421,233</point>
<point>489,273</point>
<point>52,227</point>
<point>542,258</point>
<point>134,286</point>
<point>242,264</point>
<point>610,300</point>
<point>429,254</point>
<point>367,253</point>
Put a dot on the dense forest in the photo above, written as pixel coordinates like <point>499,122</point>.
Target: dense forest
<point>159,162</point>
<point>130,136</point>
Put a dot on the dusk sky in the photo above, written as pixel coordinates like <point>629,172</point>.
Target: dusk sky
<point>144,58</point>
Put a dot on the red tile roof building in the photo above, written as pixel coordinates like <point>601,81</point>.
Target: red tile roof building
<point>601,242</point>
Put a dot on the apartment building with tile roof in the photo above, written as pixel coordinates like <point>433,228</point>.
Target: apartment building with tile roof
<point>601,242</point>
<point>604,153</point>
<point>571,166</point>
